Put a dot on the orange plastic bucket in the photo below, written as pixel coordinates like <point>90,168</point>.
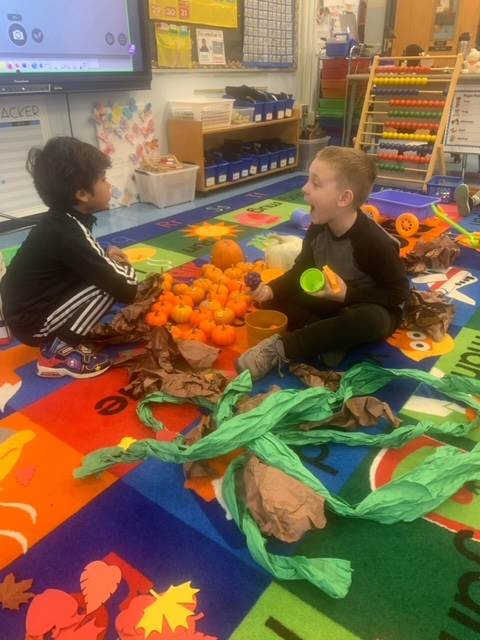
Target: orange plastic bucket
<point>263,324</point>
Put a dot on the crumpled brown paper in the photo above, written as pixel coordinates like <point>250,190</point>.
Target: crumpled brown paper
<point>199,356</point>
<point>361,411</point>
<point>251,402</point>
<point>438,254</point>
<point>164,366</point>
<point>281,505</point>
<point>313,377</point>
<point>429,312</point>
<point>129,325</point>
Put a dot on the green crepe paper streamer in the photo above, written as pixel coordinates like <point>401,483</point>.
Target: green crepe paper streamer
<point>146,416</point>
<point>233,393</point>
<point>329,574</point>
<point>262,430</point>
<point>393,440</point>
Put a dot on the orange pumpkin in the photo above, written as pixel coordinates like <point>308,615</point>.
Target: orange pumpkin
<point>177,333</point>
<point>197,294</point>
<point>259,265</point>
<point>167,296</point>
<point>211,305</point>
<point>187,299</point>
<point>163,307</point>
<point>194,334</point>
<point>239,307</point>
<point>223,335</point>
<point>234,285</point>
<point>198,316</point>
<point>180,287</point>
<point>214,274</point>
<point>226,253</point>
<point>204,283</point>
<point>222,298</point>
<point>181,313</point>
<point>245,267</point>
<point>207,326</point>
<point>224,316</point>
<point>155,319</point>
<point>234,273</point>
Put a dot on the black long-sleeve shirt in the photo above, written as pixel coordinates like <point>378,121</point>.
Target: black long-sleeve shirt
<point>366,257</point>
<point>60,256</point>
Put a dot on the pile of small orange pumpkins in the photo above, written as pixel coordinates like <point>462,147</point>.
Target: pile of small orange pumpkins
<point>208,309</point>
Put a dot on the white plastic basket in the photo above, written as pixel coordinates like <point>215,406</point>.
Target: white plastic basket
<point>213,114</point>
<point>167,188</point>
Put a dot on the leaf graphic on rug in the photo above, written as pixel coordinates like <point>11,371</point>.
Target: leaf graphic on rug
<point>13,594</point>
<point>87,631</point>
<point>169,607</point>
<point>51,611</point>
<point>98,581</point>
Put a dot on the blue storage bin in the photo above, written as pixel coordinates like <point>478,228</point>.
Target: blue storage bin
<point>253,165</point>
<point>268,110</point>
<point>222,172</point>
<point>283,158</point>
<point>443,187</point>
<point>263,162</point>
<point>258,113</point>
<point>393,202</point>
<point>245,169</point>
<point>235,171</point>
<point>339,46</point>
<point>274,160</point>
<point>291,155</point>
<point>289,107</point>
<point>210,175</point>
<point>280,106</point>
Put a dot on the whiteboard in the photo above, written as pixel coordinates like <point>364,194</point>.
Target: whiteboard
<point>23,124</point>
<point>463,128</point>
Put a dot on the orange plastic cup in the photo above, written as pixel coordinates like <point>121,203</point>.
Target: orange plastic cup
<point>263,324</point>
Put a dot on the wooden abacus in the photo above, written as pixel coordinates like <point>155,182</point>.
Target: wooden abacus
<point>418,101</point>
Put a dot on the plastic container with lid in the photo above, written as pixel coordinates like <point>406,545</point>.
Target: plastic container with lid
<point>167,188</point>
<point>242,115</point>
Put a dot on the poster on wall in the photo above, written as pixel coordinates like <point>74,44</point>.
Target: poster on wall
<point>463,134</point>
<point>210,46</point>
<point>269,33</point>
<point>334,9</point>
<point>23,124</point>
<point>217,13</point>
<point>126,133</point>
<point>174,46</point>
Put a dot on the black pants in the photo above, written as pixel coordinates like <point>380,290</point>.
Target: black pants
<point>70,320</point>
<point>319,326</point>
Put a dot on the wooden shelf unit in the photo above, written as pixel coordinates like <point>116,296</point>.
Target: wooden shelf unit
<point>188,141</point>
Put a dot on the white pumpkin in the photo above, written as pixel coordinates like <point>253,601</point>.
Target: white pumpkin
<point>281,251</point>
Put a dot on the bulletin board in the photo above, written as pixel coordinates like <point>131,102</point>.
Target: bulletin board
<point>463,134</point>
<point>235,34</point>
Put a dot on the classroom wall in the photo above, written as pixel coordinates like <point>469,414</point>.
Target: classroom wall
<point>166,86</point>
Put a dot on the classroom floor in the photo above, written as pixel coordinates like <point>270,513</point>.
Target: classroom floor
<point>411,581</point>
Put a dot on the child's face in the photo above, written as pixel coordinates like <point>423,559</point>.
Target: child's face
<point>323,193</point>
<point>99,197</point>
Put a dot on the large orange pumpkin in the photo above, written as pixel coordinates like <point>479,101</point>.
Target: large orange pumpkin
<point>226,253</point>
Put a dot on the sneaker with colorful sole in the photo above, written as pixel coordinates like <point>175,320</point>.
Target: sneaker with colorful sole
<point>76,362</point>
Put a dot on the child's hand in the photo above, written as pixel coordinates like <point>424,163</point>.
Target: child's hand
<point>115,253</point>
<point>337,293</point>
<point>263,293</point>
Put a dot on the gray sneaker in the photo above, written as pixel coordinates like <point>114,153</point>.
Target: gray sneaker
<point>261,358</point>
<point>463,200</point>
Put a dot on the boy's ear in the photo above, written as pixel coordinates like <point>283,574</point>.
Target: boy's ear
<point>346,198</point>
<point>82,195</point>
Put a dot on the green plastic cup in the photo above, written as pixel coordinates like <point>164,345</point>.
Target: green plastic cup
<point>312,280</point>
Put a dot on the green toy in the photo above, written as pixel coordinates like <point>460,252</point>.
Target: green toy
<point>472,238</point>
<point>312,280</point>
